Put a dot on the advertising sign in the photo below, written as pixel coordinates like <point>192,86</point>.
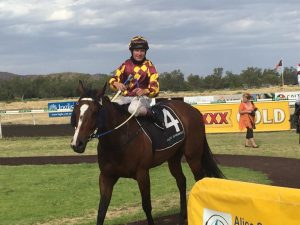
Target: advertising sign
<point>198,99</point>
<point>222,118</point>
<point>218,201</point>
<point>62,108</point>
<point>287,95</point>
<point>226,98</point>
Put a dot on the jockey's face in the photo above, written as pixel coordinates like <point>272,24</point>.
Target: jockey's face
<point>138,54</point>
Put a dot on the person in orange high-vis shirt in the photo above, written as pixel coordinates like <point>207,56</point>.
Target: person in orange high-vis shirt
<point>143,84</point>
<point>247,111</point>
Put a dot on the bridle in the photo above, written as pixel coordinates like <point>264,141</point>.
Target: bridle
<point>95,134</point>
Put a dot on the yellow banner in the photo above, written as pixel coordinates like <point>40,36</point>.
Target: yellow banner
<point>221,118</point>
<point>223,202</point>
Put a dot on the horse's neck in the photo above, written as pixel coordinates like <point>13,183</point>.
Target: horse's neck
<point>115,116</point>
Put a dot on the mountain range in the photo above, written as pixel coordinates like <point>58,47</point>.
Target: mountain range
<point>66,75</point>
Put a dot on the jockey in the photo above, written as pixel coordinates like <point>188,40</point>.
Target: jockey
<point>142,86</point>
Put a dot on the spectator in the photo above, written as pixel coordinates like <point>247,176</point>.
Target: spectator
<point>247,111</point>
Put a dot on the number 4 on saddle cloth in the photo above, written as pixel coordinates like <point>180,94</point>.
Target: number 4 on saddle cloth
<point>172,134</point>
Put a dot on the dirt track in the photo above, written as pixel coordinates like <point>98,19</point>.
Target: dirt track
<point>282,171</point>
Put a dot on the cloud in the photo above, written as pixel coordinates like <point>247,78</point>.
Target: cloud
<point>13,9</point>
<point>62,14</point>
<point>111,47</point>
<point>196,36</point>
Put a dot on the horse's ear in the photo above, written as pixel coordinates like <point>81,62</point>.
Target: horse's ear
<point>101,92</point>
<point>81,88</point>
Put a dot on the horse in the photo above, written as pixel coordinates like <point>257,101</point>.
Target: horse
<point>127,152</point>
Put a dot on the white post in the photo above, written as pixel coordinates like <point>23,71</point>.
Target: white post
<point>298,75</point>
<point>0,128</point>
<point>33,119</point>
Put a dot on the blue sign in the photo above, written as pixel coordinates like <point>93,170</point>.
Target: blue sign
<point>60,106</point>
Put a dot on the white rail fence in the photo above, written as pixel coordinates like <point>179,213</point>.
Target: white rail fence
<point>32,112</point>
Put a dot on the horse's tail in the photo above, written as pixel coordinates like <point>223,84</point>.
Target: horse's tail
<point>209,163</point>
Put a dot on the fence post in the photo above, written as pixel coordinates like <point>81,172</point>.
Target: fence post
<point>33,119</point>
<point>0,128</point>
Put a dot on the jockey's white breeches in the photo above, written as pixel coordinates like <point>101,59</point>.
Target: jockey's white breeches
<point>140,104</point>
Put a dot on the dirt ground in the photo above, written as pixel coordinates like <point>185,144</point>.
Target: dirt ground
<point>281,171</point>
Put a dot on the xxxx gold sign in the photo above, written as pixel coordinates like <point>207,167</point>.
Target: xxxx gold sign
<point>220,118</point>
<point>270,116</point>
<point>215,201</point>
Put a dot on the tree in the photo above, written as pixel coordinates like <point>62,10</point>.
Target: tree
<point>231,80</point>
<point>194,82</point>
<point>65,84</point>
<point>290,76</point>
<point>252,77</point>
<point>173,81</point>
<point>270,77</point>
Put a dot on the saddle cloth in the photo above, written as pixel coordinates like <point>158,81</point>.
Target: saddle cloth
<point>171,135</point>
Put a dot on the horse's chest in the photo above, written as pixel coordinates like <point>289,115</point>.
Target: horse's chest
<point>116,168</point>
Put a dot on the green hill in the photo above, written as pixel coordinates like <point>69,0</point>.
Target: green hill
<point>7,76</point>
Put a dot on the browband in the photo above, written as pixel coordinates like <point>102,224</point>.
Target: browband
<point>87,99</point>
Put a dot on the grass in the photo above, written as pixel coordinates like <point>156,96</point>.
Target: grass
<point>40,146</point>
<point>68,194</point>
<point>278,144</point>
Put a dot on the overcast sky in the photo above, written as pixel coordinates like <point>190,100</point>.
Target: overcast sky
<point>92,36</point>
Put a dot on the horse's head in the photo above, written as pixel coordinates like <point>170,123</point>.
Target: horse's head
<point>85,116</point>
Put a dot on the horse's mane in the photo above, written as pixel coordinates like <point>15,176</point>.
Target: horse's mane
<point>121,108</point>
<point>90,93</point>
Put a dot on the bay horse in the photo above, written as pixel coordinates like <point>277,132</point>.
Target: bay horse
<point>127,152</point>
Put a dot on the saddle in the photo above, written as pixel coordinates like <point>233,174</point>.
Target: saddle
<point>172,133</point>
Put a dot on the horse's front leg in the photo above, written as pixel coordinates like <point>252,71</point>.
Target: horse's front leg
<point>106,185</point>
<point>143,180</point>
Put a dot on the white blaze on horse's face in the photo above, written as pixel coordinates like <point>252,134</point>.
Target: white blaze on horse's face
<point>83,109</point>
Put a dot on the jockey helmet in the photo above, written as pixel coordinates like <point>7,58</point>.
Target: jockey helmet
<point>138,42</point>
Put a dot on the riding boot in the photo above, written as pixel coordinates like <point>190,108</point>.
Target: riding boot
<point>154,116</point>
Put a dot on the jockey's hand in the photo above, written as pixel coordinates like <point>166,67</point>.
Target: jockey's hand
<point>140,91</point>
<point>120,86</point>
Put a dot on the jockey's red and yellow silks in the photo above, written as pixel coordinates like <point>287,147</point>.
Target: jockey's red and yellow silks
<point>144,76</point>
